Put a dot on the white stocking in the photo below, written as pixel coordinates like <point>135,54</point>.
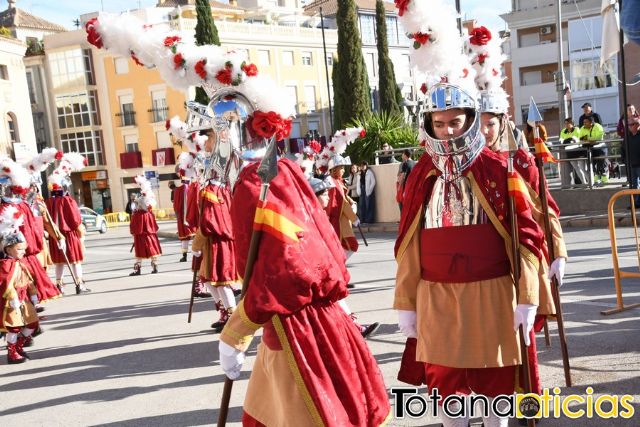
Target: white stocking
<point>448,421</point>
<point>59,271</point>
<point>493,420</point>
<point>77,270</point>
<point>227,297</point>
<point>184,245</point>
<point>26,332</point>
<point>12,337</point>
<point>343,305</point>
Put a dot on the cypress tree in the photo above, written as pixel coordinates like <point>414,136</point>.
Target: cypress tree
<point>387,87</point>
<point>206,33</point>
<point>354,101</point>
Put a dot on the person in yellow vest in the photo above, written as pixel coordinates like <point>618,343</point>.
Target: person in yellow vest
<point>592,134</point>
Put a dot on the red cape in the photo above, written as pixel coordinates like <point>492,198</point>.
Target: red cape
<point>216,215</point>
<point>179,203</point>
<point>298,276</point>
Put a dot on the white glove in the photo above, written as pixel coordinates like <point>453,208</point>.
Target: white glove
<point>356,222</point>
<point>231,360</point>
<point>15,303</point>
<point>354,207</point>
<point>62,245</point>
<point>557,269</point>
<point>34,299</point>
<point>525,315</point>
<point>197,254</point>
<point>407,323</point>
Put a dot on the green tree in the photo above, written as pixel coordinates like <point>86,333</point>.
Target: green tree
<point>4,31</point>
<point>354,100</point>
<point>387,88</point>
<point>206,33</point>
<point>338,100</point>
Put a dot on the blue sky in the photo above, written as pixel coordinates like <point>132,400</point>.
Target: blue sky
<point>63,12</point>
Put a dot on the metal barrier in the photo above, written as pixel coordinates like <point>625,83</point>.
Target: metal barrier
<point>618,275</point>
<point>117,218</point>
<point>553,171</point>
<point>164,214</point>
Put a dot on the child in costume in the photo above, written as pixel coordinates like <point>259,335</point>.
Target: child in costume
<point>144,229</point>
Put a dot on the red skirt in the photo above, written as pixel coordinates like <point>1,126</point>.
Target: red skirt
<point>46,288</point>
<point>146,245</point>
<point>75,252</point>
<point>223,263</point>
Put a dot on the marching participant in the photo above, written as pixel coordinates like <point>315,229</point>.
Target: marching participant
<point>453,267</point>
<point>297,306</point>
<point>18,294</point>
<point>65,243</point>
<point>299,275</point>
<point>496,129</point>
<point>144,229</point>
<point>321,188</point>
<point>15,182</point>
<point>185,230</point>
<point>214,240</point>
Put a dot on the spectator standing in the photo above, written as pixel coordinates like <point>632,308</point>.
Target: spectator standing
<point>172,188</point>
<point>570,135</point>
<point>588,112</point>
<point>633,159</point>
<point>131,204</point>
<point>366,192</point>
<point>591,133</point>
<point>403,174</point>
<point>631,114</point>
<point>352,183</point>
<point>387,156</point>
<point>528,133</point>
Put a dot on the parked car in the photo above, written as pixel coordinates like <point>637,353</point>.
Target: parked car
<point>93,221</point>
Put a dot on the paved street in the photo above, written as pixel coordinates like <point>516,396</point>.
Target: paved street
<point>124,355</point>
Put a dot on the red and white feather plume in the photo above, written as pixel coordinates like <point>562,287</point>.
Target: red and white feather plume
<point>19,178</point>
<point>41,162</point>
<point>339,143</point>
<point>147,196</point>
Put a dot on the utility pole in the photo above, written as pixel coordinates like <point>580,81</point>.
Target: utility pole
<point>326,70</point>
<point>563,106</point>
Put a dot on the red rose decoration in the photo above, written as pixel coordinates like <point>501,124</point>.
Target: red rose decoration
<point>93,36</point>
<point>224,76</point>
<point>6,169</point>
<point>59,155</point>
<point>199,67</point>
<point>423,88</point>
<point>178,61</point>
<point>32,168</point>
<point>363,133</point>
<point>250,69</point>
<point>480,36</point>
<point>421,38</point>
<point>85,162</point>
<point>270,124</point>
<point>167,124</point>
<point>315,146</point>
<point>481,58</point>
<point>171,40</point>
<point>402,6</point>
<point>15,189</point>
<point>135,59</point>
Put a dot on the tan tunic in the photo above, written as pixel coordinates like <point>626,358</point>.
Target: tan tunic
<point>26,313</point>
<point>463,325</point>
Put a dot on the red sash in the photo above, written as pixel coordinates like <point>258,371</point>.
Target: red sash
<point>462,254</point>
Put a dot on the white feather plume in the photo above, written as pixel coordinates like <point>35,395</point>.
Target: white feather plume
<point>147,196</point>
<point>40,162</point>
<point>16,173</point>
<point>10,222</point>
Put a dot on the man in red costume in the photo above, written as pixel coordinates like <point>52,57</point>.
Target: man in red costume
<point>65,244</point>
<point>144,229</point>
<point>186,231</point>
<point>18,294</point>
<point>16,182</point>
<point>313,367</point>
<point>341,207</point>
<point>214,241</point>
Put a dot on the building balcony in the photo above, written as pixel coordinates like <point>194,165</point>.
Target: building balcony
<point>157,115</point>
<point>127,118</point>
<point>163,157</point>
<point>131,160</point>
<point>546,53</point>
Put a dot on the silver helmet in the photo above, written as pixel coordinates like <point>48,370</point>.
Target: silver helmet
<point>452,156</point>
